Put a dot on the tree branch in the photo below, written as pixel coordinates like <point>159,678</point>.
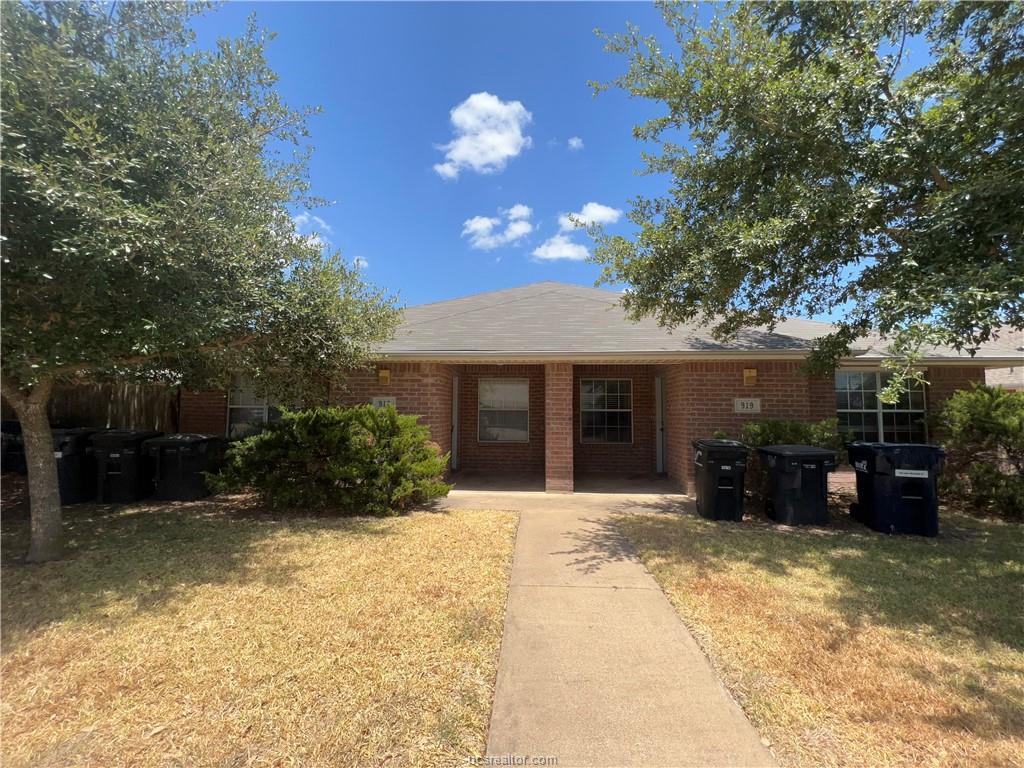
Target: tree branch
<point>142,359</point>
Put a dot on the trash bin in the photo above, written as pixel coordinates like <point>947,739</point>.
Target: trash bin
<point>12,448</point>
<point>720,466</point>
<point>180,460</point>
<point>76,465</point>
<point>123,472</point>
<point>796,483</point>
<point>897,486</point>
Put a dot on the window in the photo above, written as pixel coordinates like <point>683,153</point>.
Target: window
<point>504,411</point>
<point>862,416</point>
<point>247,413</point>
<point>606,411</point>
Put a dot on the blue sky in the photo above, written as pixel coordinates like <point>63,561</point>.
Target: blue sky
<point>388,77</point>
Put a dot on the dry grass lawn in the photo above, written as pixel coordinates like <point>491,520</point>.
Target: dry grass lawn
<point>851,648</point>
<point>203,634</point>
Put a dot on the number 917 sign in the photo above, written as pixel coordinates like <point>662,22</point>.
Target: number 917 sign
<point>746,405</point>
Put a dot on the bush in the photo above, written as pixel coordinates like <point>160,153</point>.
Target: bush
<point>362,460</point>
<point>821,434</point>
<point>983,431</point>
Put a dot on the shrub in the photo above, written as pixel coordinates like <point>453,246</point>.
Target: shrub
<point>360,460</point>
<point>983,430</point>
<point>821,434</point>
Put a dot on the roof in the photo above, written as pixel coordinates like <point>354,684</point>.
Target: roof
<point>552,320</point>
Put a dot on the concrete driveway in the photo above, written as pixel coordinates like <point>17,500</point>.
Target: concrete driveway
<point>596,668</point>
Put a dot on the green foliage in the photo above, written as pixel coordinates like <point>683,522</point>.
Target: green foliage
<point>984,439</point>
<point>361,461</point>
<point>821,434</point>
<point>813,169</point>
<point>148,187</point>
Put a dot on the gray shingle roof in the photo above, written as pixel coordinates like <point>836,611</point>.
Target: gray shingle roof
<point>552,319</point>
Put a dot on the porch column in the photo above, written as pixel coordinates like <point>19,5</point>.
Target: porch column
<point>558,427</point>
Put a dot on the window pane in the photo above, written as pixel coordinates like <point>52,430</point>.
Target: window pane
<point>606,410</point>
<point>509,394</point>
<point>243,422</point>
<point>504,426</point>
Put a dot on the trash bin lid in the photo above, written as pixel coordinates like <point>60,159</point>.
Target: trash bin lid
<point>123,436</point>
<point>798,451</point>
<point>714,442</point>
<point>189,438</point>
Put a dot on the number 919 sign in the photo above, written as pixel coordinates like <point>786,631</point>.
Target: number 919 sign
<point>746,405</point>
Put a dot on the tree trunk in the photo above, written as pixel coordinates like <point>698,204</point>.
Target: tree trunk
<point>43,492</point>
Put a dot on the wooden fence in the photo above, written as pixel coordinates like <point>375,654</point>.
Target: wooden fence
<point>112,406</point>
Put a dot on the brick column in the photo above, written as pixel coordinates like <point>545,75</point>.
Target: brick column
<point>558,428</point>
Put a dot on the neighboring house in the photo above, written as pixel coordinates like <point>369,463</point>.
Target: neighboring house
<point>554,379</point>
<point>1007,378</point>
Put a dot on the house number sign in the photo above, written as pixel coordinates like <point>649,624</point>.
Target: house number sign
<point>746,405</point>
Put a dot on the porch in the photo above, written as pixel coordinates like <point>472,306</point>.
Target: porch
<point>558,427</point>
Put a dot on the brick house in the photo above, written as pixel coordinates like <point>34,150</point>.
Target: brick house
<point>554,380</point>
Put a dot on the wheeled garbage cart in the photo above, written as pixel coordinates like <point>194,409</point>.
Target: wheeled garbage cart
<point>123,472</point>
<point>796,483</point>
<point>720,466</point>
<point>897,486</point>
<point>179,462</point>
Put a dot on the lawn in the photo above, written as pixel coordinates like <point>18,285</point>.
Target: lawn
<point>210,634</point>
<point>851,648</point>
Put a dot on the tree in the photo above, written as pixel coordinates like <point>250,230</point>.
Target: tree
<point>146,228</point>
<point>828,169</point>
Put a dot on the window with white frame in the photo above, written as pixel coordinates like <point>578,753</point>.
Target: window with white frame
<point>862,416</point>
<point>606,410</point>
<point>247,411</point>
<point>504,411</point>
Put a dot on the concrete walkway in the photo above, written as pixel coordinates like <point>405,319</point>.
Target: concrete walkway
<point>596,668</point>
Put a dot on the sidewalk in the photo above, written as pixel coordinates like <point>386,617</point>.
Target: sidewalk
<point>596,669</point>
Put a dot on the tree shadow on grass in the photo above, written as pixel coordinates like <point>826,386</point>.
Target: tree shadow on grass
<point>149,554</point>
<point>965,584</point>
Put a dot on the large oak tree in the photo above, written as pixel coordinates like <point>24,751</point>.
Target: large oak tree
<point>858,157</point>
<point>147,190</point>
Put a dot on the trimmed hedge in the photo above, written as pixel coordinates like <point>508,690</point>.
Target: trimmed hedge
<point>358,461</point>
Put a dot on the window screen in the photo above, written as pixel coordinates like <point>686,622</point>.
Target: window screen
<point>504,411</point>
<point>606,411</point>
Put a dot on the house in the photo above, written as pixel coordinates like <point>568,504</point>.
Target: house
<point>554,379</point>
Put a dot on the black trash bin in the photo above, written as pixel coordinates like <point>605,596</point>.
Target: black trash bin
<point>897,486</point>
<point>76,464</point>
<point>123,472</point>
<point>180,460</point>
<point>720,466</point>
<point>12,448</point>
<point>796,483</point>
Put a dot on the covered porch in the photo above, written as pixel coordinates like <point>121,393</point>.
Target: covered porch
<point>558,427</point>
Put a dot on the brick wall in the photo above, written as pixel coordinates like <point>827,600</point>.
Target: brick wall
<point>500,457</point>
<point>637,457</point>
<point>558,432</point>
<point>944,381</point>
<point>203,411</point>
<point>423,389</point>
<point>699,401</point>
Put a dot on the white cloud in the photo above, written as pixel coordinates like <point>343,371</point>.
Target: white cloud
<point>306,223</point>
<point>575,143</point>
<point>560,247</point>
<point>591,213</point>
<point>311,227</point>
<point>485,232</point>
<point>488,133</point>
<point>360,263</point>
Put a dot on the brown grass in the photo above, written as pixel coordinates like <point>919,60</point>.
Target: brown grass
<point>192,635</point>
<point>851,648</point>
